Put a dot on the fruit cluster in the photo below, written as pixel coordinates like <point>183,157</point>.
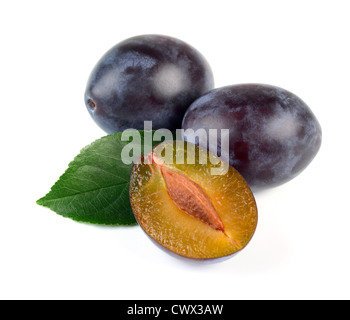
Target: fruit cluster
<point>272,136</point>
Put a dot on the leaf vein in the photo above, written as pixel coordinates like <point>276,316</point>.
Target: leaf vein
<point>83,192</point>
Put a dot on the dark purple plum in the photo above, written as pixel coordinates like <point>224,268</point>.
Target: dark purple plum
<point>273,134</point>
<point>146,78</point>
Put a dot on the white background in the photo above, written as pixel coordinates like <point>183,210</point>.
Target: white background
<point>48,48</point>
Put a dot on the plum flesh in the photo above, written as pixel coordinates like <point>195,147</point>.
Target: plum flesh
<point>273,134</point>
<point>146,78</point>
<point>189,210</point>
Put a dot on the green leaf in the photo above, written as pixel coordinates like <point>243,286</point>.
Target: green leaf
<point>95,187</point>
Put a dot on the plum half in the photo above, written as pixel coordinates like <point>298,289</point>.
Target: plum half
<point>182,205</point>
<point>146,78</point>
<point>273,134</point>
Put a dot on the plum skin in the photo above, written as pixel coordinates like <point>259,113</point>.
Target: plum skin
<point>148,77</point>
<point>273,134</point>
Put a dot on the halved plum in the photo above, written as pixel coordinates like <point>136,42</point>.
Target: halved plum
<point>180,201</point>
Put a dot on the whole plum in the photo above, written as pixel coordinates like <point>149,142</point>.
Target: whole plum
<point>148,77</point>
<point>273,134</point>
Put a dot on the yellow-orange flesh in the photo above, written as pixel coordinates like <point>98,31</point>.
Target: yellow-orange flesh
<point>188,210</point>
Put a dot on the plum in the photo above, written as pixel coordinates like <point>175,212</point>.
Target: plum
<point>146,78</point>
<point>273,134</point>
<point>189,208</point>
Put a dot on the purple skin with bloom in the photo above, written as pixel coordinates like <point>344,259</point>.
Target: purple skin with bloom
<point>273,134</point>
<point>146,78</point>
